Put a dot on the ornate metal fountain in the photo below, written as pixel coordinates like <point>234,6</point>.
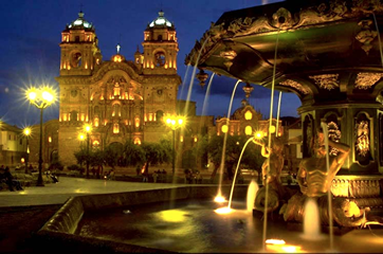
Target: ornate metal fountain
<point>329,55</point>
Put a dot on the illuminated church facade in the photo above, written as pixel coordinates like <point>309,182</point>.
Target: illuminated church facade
<point>122,100</point>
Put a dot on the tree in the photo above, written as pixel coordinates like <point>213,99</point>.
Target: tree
<point>251,158</point>
<point>133,154</point>
<point>81,156</point>
<point>113,154</point>
<point>156,153</point>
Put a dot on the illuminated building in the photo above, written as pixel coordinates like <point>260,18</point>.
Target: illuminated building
<point>122,99</point>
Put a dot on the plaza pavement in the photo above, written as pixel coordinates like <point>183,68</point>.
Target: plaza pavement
<point>52,194</point>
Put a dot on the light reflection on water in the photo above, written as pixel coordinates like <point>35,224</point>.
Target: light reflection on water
<point>192,226</point>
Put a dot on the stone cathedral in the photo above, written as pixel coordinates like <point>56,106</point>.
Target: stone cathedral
<point>122,99</point>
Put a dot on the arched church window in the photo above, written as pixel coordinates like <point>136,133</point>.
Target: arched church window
<point>116,89</point>
<point>224,128</point>
<point>73,116</point>
<point>248,115</point>
<point>248,130</point>
<point>96,145</point>
<point>137,141</point>
<point>116,110</point>
<point>137,122</point>
<point>160,59</point>
<point>76,59</point>
<point>116,128</point>
<point>96,122</point>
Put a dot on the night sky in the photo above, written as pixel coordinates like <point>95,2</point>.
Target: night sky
<point>30,52</point>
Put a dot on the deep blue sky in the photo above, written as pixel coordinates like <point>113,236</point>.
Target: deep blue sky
<point>30,52</point>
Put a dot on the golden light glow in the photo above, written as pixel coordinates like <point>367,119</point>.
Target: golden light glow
<point>32,95</point>
<point>22,160</point>
<point>40,97</point>
<point>248,130</point>
<point>195,139</point>
<point>117,59</point>
<point>96,122</point>
<point>87,128</point>
<point>173,215</point>
<point>181,139</point>
<point>275,241</point>
<point>272,129</point>
<point>47,96</point>
<point>224,128</point>
<point>137,122</point>
<point>219,199</point>
<point>258,135</point>
<point>50,139</point>
<point>280,246</point>
<point>27,131</point>
<point>175,122</point>
<point>224,210</point>
<point>81,136</point>
<point>248,115</point>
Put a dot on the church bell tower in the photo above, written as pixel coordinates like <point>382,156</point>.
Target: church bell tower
<point>160,47</point>
<point>79,48</point>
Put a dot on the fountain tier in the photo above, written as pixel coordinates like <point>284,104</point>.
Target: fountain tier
<point>329,56</point>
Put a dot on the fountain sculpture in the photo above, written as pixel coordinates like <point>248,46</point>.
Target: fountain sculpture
<point>329,55</point>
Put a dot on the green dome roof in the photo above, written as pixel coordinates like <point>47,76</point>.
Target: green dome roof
<point>160,21</point>
<point>80,23</point>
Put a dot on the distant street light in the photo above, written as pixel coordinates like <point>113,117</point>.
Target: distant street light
<point>42,98</point>
<point>88,130</point>
<point>174,122</point>
<point>27,133</point>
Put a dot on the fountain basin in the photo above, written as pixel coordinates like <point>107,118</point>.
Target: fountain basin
<point>146,221</point>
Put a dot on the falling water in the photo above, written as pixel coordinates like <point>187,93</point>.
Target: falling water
<point>251,194</point>
<point>192,78</point>
<point>207,95</point>
<point>222,165</point>
<point>278,111</point>
<point>187,109</point>
<point>205,102</point>
<point>311,221</point>
<point>325,134</point>
<point>269,143</point>
<point>236,171</point>
<point>184,80</point>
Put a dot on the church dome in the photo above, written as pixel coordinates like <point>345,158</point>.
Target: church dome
<point>80,23</point>
<point>161,21</point>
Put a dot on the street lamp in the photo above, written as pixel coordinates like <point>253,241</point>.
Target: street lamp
<point>174,122</point>
<point>42,98</point>
<point>88,130</point>
<point>27,133</point>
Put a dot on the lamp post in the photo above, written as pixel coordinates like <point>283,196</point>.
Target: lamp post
<point>27,132</point>
<point>174,122</point>
<point>41,98</point>
<point>87,129</point>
